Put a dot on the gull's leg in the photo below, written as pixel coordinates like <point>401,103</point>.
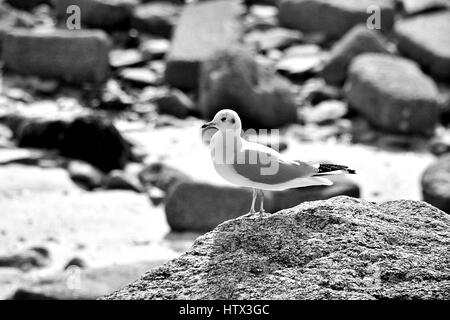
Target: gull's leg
<point>261,208</point>
<point>255,194</point>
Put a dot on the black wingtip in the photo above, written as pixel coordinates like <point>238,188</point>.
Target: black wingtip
<point>351,171</point>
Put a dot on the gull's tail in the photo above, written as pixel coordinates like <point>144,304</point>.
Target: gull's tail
<point>325,169</point>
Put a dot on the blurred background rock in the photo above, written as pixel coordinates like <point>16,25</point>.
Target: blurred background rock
<point>104,171</point>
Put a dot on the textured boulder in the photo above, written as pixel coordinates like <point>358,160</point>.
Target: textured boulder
<point>189,205</point>
<point>72,56</point>
<point>342,248</point>
<point>436,184</point>
<point>102,14</point>
<point>333,18</point>
<point>425,38</point>
<point>233,79</point>
<point>358,40</point>
<point>393,93</point>
<point>203,29</point>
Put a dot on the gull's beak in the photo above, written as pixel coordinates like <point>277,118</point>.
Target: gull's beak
<point>210,124</point>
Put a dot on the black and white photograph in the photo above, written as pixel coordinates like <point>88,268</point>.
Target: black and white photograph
<point>224,156</point>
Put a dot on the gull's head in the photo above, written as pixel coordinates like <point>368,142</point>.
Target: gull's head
<point>225,120</point>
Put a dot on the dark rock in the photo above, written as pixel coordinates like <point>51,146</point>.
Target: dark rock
<point>77,57</point>
<point>233,79</point>
<point>393,93</point>
<point>419,6</point>
<point>41,133</point>
<point>333,18</point>
<point>425,39</point>
<point>358,40</point>
<point>203,29</point>
<point>174,103</point>
<point>95,140</point>
<point>341,248</point>
<point>436,184</point>
<point>36,257</point>
<point>75,262</point>
<point>274,38</point>
<point>189,205</point>
<point>108,15</point>
<point>85,175</point>
<point>81,284</point>
<point>162,176</point>
<point>118,179</point>
<point>157,18</point>
<point>26,4</point>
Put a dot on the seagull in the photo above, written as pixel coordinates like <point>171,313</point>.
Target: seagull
<point>256,166</point>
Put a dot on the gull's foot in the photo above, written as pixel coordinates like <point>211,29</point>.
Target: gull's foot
<point>251,213</point>
<point>262,211</point>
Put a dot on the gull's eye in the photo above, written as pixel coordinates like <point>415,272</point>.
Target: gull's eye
<point>233,121</point>
<point>223,119</point>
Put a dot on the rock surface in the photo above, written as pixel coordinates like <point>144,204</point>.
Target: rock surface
<point>358,40</point>
<point>333,18</point>
<point>76,57</point>
<point>436,184</point>
<point>342,248</point>
<point>233,79</point>
<point>393,93</point>
<point>203,29</point>
<point>425,39</point>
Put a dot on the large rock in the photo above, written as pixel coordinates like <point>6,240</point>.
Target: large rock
<point>155,17</point>
<point>436,184</point>
<point>97,141</point>
<point>203,29</point>
<point>393,93</point>
<point>103,14</point>
<point>358,40</point>
<point>72,56</point>
<point>342,248</point>
<point>233,79</point>
<point>333,18</point>
<point>189,205</point>
<point>425,39</point>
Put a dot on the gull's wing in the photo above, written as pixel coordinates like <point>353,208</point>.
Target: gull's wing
<point>262,164</point>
